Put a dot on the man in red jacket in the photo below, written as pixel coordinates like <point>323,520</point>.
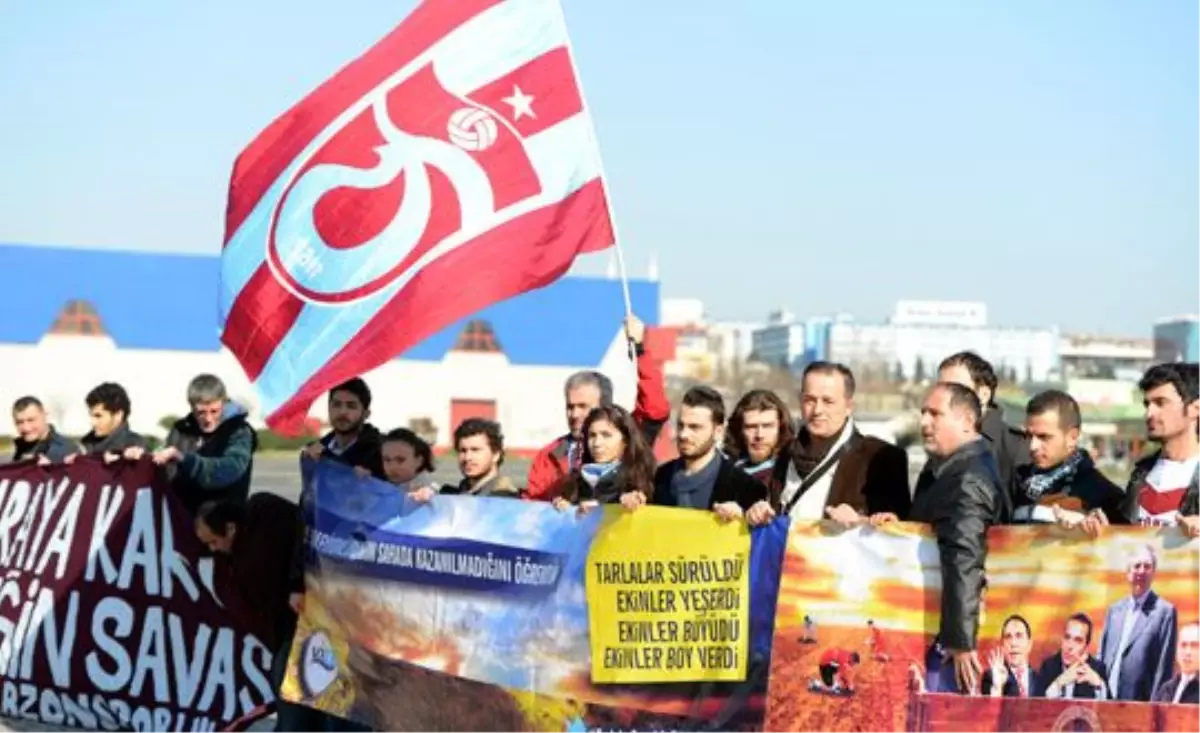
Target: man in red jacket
<point>585,391</point>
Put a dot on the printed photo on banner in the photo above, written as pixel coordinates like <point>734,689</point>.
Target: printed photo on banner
<point>409,604</point>
<point>1068,626</point>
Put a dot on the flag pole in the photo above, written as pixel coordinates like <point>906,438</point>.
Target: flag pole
<point>612,216</point>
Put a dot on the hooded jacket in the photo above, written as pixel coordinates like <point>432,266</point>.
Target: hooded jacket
<point>215,466</point>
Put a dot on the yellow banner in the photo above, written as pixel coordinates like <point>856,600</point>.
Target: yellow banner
<point>668,596</point>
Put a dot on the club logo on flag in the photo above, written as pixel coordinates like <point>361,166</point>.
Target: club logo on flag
<point>343,230</point>
<point>451,166</point>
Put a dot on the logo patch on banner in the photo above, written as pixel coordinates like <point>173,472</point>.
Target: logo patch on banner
<point>320,667</point>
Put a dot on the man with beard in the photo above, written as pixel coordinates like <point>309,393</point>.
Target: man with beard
<point>584,391</point>
<point>830,470</point>
<point>702,478</point>
<point>1073,673</point>
<point>961,497</point>
<point>36,437</point>
<point>480,447</point>
<point>1061,483</point>
<point>1163,489</point>
<point>351,439</point>
<point>759,425</point>
<point>108,408</point>
<point>1007,443</point>
<point>1009,673</point>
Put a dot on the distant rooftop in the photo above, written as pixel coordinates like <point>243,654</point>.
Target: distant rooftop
<point>1192,318</point>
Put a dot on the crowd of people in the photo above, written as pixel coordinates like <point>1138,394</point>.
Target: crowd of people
<point>754,464</point>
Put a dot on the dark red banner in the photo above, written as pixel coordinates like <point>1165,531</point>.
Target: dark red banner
<point>110,615</point>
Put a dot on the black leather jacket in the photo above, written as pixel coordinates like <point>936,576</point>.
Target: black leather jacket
<point>961,496</point>
<point>1009,445</point>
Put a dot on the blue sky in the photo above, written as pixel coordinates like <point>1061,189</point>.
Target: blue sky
<point>832,156</point>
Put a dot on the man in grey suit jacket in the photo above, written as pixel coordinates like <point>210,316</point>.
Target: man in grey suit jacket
<point>1138,643</point>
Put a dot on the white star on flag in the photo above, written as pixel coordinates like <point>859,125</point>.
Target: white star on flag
<point>521,103</point>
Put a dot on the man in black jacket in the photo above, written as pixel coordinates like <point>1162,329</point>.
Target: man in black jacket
<point>960,495</point>
<point>1073,673</point>
<point>258,538</point>
<point>108,408</point>
<point>1007,443</point>
<point>210,453</point>
<point>351,439</point>
<point>1061,483</point>
<point>702,478</point>
<point>36,437</point>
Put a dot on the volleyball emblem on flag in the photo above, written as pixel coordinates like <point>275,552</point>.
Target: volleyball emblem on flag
<point>472,129</point>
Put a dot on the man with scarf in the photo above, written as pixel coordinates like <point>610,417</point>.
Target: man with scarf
<point>831,470</point>
<point>759,427</point>
<point>1061,484</point>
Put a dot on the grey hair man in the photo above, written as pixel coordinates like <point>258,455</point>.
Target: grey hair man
<point>1138,642</point>
<point>209,454</point>
<point>584,392</point>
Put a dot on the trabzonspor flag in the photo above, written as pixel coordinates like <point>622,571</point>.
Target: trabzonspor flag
<point>450,167</point>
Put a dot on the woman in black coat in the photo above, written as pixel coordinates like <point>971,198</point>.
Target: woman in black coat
<point>616,462</point>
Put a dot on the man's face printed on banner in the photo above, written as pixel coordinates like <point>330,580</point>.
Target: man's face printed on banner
<point>1074,643</point>
<point>1142,566</point>
<point>1188,651</point>
<point>1015,643</point>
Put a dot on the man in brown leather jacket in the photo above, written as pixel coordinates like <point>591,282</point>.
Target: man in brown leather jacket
<point>959,494</point>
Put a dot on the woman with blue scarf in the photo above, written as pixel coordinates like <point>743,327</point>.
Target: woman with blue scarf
<point>617,466</point>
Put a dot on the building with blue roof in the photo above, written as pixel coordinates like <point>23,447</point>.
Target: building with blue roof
<point>149,321</point>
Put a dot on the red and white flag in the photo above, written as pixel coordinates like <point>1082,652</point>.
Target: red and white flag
<point>451,166</point>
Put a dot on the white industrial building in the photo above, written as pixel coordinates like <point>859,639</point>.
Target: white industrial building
<point>148,321</point>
